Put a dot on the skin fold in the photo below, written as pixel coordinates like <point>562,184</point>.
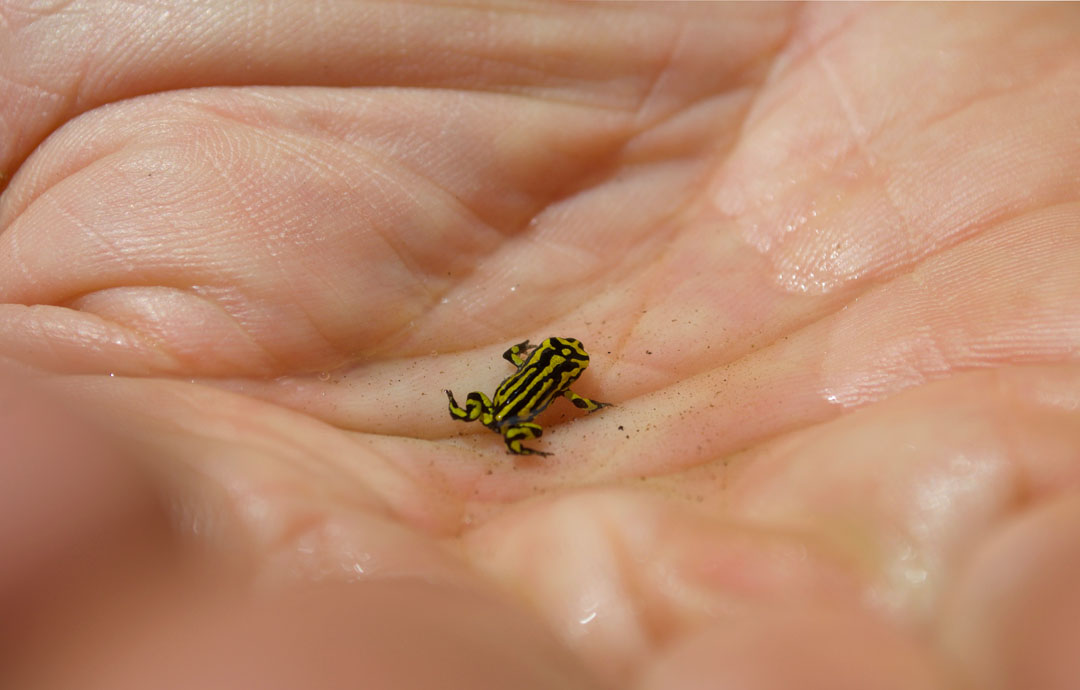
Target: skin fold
<point>823,259</point>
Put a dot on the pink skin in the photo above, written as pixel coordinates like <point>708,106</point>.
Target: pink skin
<point>824,259</point>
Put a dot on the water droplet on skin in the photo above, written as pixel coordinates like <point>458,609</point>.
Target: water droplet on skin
<point>915,576</point>
<point>513,288</point>
<point>444,300</point>
<point>324,375</point>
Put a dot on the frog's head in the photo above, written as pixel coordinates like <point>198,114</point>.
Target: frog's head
<point>571,349</point>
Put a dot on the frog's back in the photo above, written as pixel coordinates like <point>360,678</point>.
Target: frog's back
<point>548,373</point>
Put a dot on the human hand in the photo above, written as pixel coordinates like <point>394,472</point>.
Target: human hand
<point>823,258</point>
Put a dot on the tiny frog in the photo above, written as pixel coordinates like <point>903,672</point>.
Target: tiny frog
<point>545,374</point>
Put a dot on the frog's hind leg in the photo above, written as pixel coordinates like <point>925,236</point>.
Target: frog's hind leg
<point>518,433</point>
<point>513,355</point>
<point>477,406</point>
<point>584,403</point>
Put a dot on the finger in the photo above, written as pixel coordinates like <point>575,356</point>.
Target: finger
<point>76,518</point>
<point>62,485</point>
<point>386,634</point>
<point>243,233</point>
<point>1012,621</point>
<point>70,58</point>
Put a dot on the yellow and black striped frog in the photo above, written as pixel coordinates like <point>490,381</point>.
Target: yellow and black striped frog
<point>542,375</point>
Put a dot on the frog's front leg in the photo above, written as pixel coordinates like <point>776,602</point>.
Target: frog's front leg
<point>477,406</point>
<point>520,432</point>
<point>513,355</point>
<point>583,402</point>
